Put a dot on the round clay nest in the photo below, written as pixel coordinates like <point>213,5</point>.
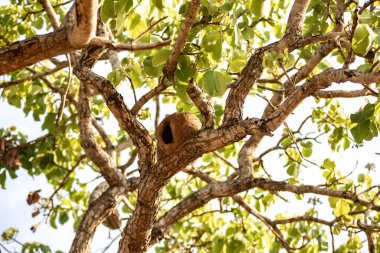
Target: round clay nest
<point>175,129</point>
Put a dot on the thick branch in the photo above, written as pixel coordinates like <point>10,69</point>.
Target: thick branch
<point>24,53</point>
<point>209,140</point>
<point>83,29</point>
<point>92,149</point>
<point>223,189</point>
<point>311,64</point>
<point>97,212</point>
<point>205,107</point>
<point>71,36</point>
<point>215,190</point>
<point>291,40</point>
<point>136,234</point>
<point>137,132</point>
<point>343,93</point>
<point>295,21</point>
<point>316,83</point>
<point>245,159</point>
<point>171,63</point>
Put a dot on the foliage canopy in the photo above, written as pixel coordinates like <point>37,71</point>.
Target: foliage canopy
<point>242,67</point>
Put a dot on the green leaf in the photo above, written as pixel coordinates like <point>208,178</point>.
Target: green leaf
<point>365,68</point>
<point>135,75</point>
<point>292,170</point>
<point>328,164</point>
<point>182,9</point>
<point>234,246</point>
<point>136,25</point>
<point>307,144</point>
<point>116,76</point>
<point>149,69</point>
<point>12,173</point>
<point>336,229</point>
<point>238,60</point>
<point>108,10</point>
<point>3,177</point>
<point>123,6</point>
<point>183,74</point>
<point>360,131</point>
<point>341,208</point>
<point>38,23</point>
<point>306,152</point>
<point>212,43</point>
<point>237,65</point>
<point>181,91</point>
<point>286,142</point>
<point>9,234</point>
<point>52,221</point>
<point>63,217</point>
<point>260,8</point>
<point>160,57</point>
<point>363,39</point>
<point>158,3</point>
<point>368,110</point>
<point>144,114</point>
<point>257,7</point>
<point>214,83</point>
<point>361,178</point>
<point>218,244</point>
<point>47,159</point>
<point>120,23</point>
<point>294,232</point>
<point>49,122</point>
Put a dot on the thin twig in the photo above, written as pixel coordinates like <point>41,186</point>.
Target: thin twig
<point>102,42</point>
<point>157,116</point>
<point>64,95</point>
<point>150,27</point>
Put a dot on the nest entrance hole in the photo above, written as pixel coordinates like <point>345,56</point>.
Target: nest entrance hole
<point>167,134</point>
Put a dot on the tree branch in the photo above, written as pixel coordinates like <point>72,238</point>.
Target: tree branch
<point>316,83</point>
<point>97,212</point>
<point>137,132</point>
<point>92,149</point>
<point>229,188</point>
<point>98,41</point>
<point>35,76</point>
<point>173,59</point>
<point>50,13</point>
<point>295,21</point>
<point>73,35</point>
<point>171,63</point>
<point>136,235</point>
<point>205,107</point>
<point>343,93</point>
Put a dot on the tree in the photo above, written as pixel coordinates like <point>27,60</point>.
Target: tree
<point>214,59</point>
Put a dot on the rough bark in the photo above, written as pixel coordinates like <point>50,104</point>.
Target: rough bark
<point>73,35</point>
<point>96,214</point>
<point>24,53</point>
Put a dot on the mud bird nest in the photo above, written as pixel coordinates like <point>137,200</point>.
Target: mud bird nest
<point>174,130</point>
